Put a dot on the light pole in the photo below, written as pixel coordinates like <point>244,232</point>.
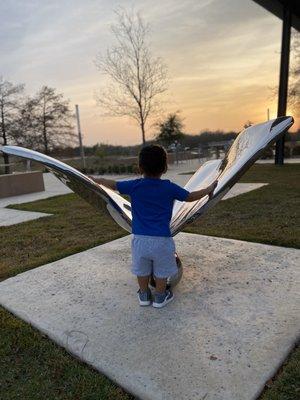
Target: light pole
<point>283,79</point>
<point>80,136</point>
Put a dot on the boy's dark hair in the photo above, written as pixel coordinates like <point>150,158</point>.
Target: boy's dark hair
<point>153,160</point>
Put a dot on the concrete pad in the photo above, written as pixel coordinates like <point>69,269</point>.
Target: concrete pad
<point>233,321</point>
<point>11,217</point>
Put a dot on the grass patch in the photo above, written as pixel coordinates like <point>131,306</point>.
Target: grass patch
<point>74,226</point>
<point>33,367</point>
<point>266,215</point>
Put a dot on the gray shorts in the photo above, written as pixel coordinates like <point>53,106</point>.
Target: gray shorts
<point>153,254</point>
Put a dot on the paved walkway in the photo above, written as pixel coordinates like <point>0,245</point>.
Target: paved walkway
<point>12,217</point>
<point>53,187</point>
<point>234,319</point>
<point>295,160</point>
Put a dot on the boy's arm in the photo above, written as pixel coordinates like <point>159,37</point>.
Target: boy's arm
<point>109,183</point>
<point>198,194</point>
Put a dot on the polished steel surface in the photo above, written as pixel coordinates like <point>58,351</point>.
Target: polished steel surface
<point>245,150</point>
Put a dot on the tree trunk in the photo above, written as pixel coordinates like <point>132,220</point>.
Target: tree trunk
<point>45,138</point>
<point>5,156</point>
<point>143,133</point>
<point>46,144</point>
<point>6,161</point>
<point>45,129</point>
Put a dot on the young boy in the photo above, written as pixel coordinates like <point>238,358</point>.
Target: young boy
<point>152,198</point>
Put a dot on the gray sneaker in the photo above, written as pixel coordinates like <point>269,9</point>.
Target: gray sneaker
<point>162,299</point>
<point>144,297</point>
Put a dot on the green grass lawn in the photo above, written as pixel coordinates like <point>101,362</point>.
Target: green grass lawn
<point>267,215</point>
<point>73,227</point>
<point>33,367</point>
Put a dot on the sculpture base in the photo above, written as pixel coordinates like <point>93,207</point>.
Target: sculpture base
<point>232,323</point>
<point>21,183</point>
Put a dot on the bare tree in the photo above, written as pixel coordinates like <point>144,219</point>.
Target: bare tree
<point>136,77</point>
<point>10,96</point>
<point>26,126</point>
<point>50,119</point>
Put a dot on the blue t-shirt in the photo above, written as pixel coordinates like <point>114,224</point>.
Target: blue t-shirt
<point>152,204</point>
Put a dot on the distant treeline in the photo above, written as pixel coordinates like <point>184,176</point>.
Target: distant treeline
<point>188,140</point>
<point>207,137</point>
<point>293,136</point>
<point>103,149</point>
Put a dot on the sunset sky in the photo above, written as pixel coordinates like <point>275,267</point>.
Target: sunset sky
<point>222,58</point>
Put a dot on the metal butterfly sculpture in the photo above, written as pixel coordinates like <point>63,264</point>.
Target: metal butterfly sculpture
<point>245,150</point>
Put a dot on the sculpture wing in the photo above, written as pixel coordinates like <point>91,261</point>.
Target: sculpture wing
<point>118,207</point>
<point>245,150</point>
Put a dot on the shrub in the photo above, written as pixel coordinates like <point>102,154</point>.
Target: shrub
<point>268,153</point>
<point>123,169</point>
<point>115,169</point>
<point>129,169</point>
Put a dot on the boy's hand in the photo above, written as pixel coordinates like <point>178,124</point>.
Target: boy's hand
<point>97,180</point>
<point>109,183</point>
<point>198,194</point>
<point>211,188</point>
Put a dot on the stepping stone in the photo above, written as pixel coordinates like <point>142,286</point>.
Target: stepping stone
<point>11,217</point>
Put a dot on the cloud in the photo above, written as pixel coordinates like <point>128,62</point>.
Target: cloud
<point>222,56</point>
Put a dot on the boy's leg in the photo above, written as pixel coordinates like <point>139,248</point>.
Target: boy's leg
<point>143,283</point>
<point>142,268</point>
<point>144,293</point>
<point>164,264</point>
<point>160,285</point>
<point>162,296</point>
